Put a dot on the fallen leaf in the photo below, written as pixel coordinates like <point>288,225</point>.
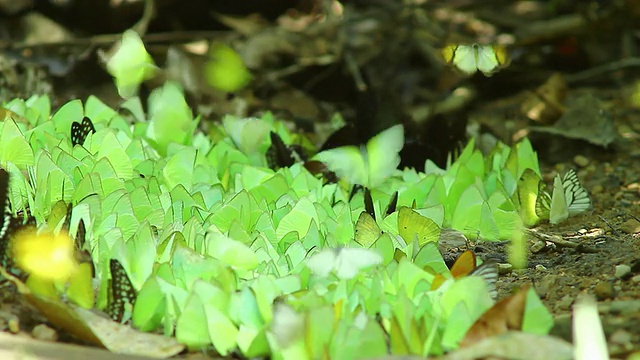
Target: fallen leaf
<point>515,345</point>
<point>507,314</point>
<point>97,329</point>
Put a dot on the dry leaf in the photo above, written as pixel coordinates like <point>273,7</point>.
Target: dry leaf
<point>507,314</point>
<point>96,329</point>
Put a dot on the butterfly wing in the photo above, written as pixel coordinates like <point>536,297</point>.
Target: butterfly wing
<point>558,211</point>
<point>79,131</point>
<point>577,197</point>
<point>279,155</point>
<point>391,207</point>
<point>528,193</point>
<point>350,261</point>
<point>346,162</point>
<point>383,154</point>
<point>367,230</point>
<point>412,225</point>
<point>486,59</point>
<point>489,272</point>
<point>122,291</point>
<point>464,265</point>
<point>464,58</point>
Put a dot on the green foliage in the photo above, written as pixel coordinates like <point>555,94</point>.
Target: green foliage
<point>224,251</point>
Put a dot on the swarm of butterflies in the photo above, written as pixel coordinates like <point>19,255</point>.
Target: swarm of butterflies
<point>368,165</point>
<point>122,294</point>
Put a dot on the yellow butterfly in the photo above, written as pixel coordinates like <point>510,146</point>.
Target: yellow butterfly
<point>475,57</point>
<point>412,225</point>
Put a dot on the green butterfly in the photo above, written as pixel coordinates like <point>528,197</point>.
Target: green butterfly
<point>368,165</point>
<point>568,198</point>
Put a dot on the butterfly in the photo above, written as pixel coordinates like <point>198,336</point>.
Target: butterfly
<point>367,231</point>
<point>345,262</point>
<point>568,198</point>
<point>79,131</point>
<point>8,225</point>
<point>475,57</point>
<point>281,155</point>
<point>122,292</point>
<point>413,226</point>
<point>368,165</point>
<point>465,265</point>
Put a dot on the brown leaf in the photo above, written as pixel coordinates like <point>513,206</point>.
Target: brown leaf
<point>507,314</point>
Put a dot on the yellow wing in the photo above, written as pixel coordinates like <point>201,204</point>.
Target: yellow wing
<point>412,225</point>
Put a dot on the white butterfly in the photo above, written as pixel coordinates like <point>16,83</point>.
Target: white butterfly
<point>345,262</point>
<point>568,198</point>
<point>471,58</point>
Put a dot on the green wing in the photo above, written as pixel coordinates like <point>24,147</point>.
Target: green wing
<point>347,162</point>
<point>559,211</point>
<point>383,154</point>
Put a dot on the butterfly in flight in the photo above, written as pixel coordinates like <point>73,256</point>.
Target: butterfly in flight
<point>122,292</point>
<point>80,130</point>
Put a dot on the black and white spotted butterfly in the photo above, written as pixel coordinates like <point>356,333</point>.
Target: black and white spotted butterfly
<point>123,295</point>
<point>568,198</point>
<point>8,223</point>
<point>80,130</point>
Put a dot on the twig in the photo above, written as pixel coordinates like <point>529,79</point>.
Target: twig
<point>611,226</point>
<point>559,241</point>
<point>603,69</point>
<point>108,39</point>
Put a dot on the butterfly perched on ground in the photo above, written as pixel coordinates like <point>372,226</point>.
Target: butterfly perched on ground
<point>567,199</point>
<point>368,165</point>
<point>281,155</point>
<point>122,292</point>
<point>8,225</point>
<point>367,230</point>
<point>465,265</point>
<point>80,130</point>
<point>475,57</point>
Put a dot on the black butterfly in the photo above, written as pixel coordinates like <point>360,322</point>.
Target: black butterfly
<point>8,224</point>
<point>281,155</point>
<point>368,204</point>
<point>79,131</point>
<point>122,291</point>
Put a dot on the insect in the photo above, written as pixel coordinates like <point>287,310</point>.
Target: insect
<point>475,57</point>
<point>568,198</point>
<point>279,154</point>
<point>122,292</point>
<point>8,223</point>
<point>367,165</point>
<point>465,265</point>
<point>80,130</point>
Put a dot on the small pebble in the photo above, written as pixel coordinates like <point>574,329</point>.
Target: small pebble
<point>621,337</point>
<point>622,271</point>
<point>538,246</point>
<point>45,333</point>
<point>565,303</point>
<point>604,290</point>
<point>504,268</point>
<point>636,279</point>
<point>541,268</point>
<point>631,226</point>
<point>581,161</point>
